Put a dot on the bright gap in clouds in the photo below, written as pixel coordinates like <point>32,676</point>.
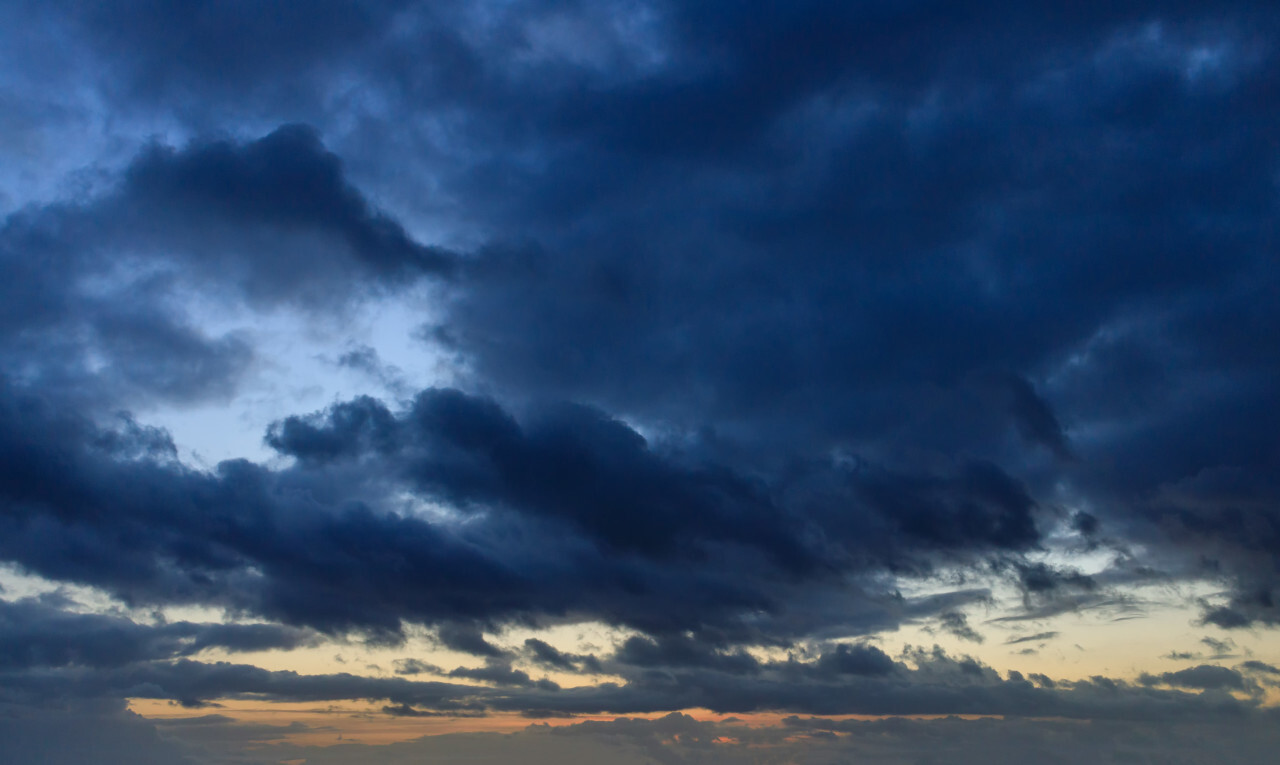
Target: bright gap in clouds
<point>305,363</point>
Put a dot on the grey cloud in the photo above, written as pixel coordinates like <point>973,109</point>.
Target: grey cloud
<point>1036,638</point>
<point>35,634</point>
<point>957,624</point>
<point>1260,666</point>
<point>467,638</point>
<point>549,656</point>
<point>927,682</point>
<point>416,667</point>
<point>1204,676</point>
<point>500,673</point>
<point>681,651</point>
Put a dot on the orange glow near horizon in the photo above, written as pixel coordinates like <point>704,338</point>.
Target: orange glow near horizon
<point>366,723</point>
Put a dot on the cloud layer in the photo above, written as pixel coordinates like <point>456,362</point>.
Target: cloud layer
<point>763,329</point>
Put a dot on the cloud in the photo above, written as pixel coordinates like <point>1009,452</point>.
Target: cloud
<point>35,634</point>
<point>567,464</point>
<point>1038,637</point>
<point>500,673</point>
<point>848,680</point>
<point>957,624</point>
<point>754,316</point>
<point>416,667</point>
<point>285,181</point>
<point>467,639</point>
<point>1204,677</point>
<point>1260,666</point>
<point>240,537</point>
<point>549,656</point>
<point>323,543</point>
<point>626,322</point>
<point>98,303</point>
<point>681,651</point>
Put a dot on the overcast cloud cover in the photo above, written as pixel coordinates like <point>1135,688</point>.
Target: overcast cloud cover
<point>748,334</point>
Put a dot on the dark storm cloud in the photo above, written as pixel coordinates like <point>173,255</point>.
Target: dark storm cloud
<point>952,214</point>
<point>835,292</point>
<point>286,180</point>
<point>982,506</point>
<point>571,463</point>
<point>152,531</point>
<point>1089,224</point>
<point>36,634</point>
<point>326,543</point>
<point>272,220</point>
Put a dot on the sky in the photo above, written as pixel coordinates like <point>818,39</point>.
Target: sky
<point>639,381</point>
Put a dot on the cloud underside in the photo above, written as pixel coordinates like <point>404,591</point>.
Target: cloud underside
<point>752,315</point>
<point>925,683</point>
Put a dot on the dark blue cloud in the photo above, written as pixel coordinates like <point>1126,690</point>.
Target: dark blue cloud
<point>323,543</point>
<point>286,180</point>
<point>35,634</point>
<point>763,306</point>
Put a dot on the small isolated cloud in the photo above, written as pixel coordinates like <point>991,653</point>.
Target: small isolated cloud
<point>1039,637</point>
<point>957,624</point>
